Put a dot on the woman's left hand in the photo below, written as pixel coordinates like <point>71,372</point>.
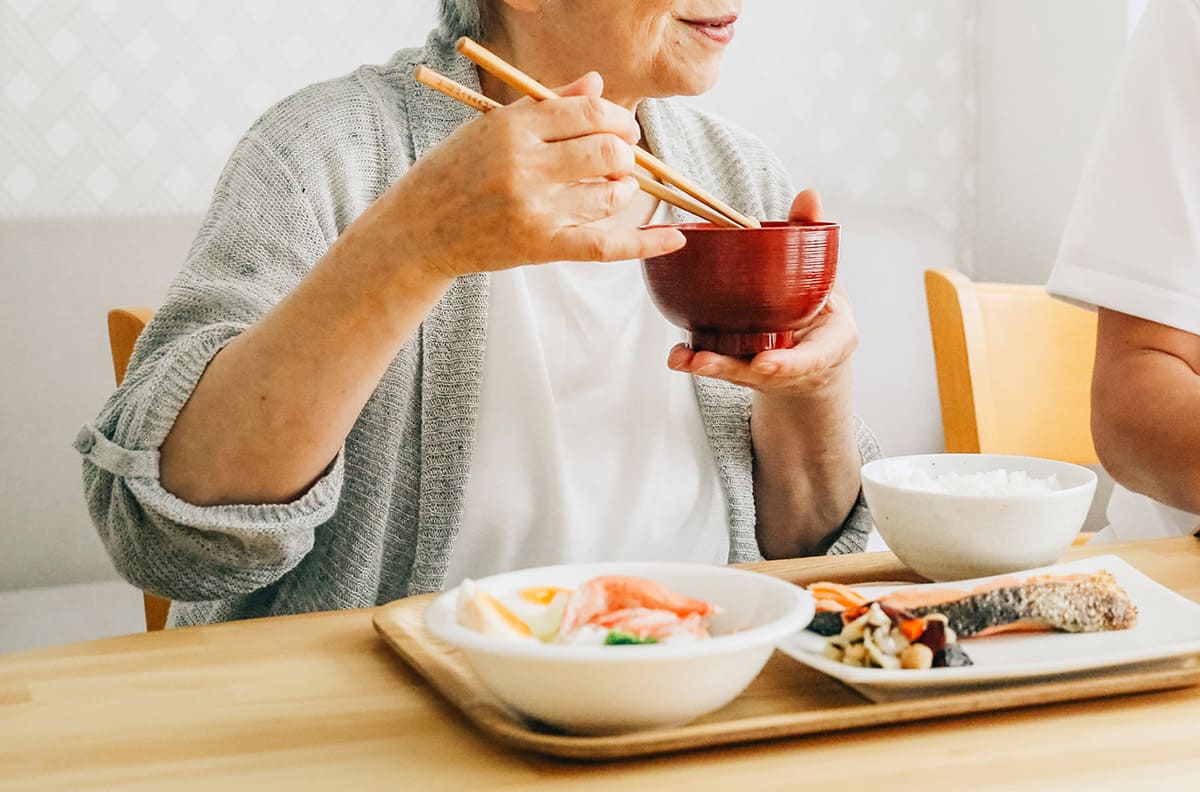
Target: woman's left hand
<point>823,349</point>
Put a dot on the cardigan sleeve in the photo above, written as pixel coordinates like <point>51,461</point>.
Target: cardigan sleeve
<point>304,171</point>
<point>858,524</point>
<point>259,238</point>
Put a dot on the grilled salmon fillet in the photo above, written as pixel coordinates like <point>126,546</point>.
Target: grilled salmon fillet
<point>1067,603</point>
<point>1077,604</point>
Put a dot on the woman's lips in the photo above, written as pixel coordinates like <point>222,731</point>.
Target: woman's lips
<point>719,29</point>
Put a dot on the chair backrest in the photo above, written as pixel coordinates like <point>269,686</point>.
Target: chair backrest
<point>124,327</point>
<point>1014,368</point>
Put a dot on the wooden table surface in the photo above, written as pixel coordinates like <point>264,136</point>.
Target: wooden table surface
<point>318,702</point>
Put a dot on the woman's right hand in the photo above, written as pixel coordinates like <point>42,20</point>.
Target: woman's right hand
<point>521,185</point>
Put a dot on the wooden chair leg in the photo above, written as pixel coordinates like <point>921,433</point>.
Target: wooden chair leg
<point>157,610</point>
<point>124,327</point>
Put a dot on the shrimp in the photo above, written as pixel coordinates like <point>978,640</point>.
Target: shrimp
<point>604,596</point>
<point>650,623</point>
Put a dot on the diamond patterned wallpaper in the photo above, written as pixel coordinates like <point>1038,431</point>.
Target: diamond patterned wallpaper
<point>871,101</point>
<point>132,106</point>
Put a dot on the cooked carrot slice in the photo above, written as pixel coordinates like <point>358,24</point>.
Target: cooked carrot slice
<point>835,592</point>
<point>913,628</point>
<point>854,613</point>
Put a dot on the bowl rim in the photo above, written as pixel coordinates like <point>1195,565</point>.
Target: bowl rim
<point>797,617</point>
<point>870,473</point>
<point>768,226</point>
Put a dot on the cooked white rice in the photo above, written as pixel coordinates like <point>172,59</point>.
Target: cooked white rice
<point>992,482</point>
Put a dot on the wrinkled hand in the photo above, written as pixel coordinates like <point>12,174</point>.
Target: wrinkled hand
<point>821,353</point>
<point>521,184</point>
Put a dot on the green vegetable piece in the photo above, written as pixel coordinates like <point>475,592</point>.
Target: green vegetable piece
<point>618,638</point>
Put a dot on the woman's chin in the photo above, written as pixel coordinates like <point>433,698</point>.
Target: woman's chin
<point>691,83</point>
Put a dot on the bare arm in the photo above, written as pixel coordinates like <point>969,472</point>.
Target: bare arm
<point>806,454</point>
<point>305,369</point>
<point>1146,408</point>
<point>302,372</point>
<point>806,463</point>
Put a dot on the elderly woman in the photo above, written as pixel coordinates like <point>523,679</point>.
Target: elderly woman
<point>357,391</point>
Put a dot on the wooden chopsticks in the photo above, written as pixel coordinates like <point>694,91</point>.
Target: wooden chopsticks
<point>704,204</point>
<point>501,69</point>
<point>483,104</point>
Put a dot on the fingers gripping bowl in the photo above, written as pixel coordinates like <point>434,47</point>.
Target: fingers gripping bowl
<point>600,689</point>
<point>741,291</point>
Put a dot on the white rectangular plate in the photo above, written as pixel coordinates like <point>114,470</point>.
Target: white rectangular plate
<point>1167,632</point>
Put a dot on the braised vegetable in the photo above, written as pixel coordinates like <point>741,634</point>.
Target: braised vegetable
<point>618,638</point>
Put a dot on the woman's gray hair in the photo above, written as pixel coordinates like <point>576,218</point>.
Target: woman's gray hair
<point>465,17</point>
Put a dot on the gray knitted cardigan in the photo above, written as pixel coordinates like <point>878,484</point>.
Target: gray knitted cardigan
<point>381,523</point>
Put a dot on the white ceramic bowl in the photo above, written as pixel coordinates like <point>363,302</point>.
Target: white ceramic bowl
<point>954,536</point>
<point>613,689</point>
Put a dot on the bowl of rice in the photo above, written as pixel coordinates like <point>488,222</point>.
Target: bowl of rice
<point>955,516</point>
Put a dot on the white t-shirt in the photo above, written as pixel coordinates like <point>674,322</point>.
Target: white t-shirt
<point>588,448</point>
<point>1132,242</point>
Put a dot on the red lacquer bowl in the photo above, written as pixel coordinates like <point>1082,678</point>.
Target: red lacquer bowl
<point>741,291</point>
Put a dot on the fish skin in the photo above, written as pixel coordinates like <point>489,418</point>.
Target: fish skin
<point>1091,603</point>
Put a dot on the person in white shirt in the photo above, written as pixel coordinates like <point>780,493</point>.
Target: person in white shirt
<point>1132,250</point>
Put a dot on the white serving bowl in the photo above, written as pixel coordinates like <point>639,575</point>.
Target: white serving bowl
<point>954,536</point>
<point>614,689</point>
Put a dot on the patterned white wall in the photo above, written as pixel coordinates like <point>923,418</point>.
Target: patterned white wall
<point>873,102</point>
<point>132,106</point>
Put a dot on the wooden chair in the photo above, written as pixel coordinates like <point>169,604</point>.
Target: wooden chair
<point>1014,368</point>
<point>124,327</point>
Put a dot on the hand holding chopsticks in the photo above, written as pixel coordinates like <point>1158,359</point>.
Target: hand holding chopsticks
<point>695,199</point>
<point>483,104</point>
<point>530,184</point>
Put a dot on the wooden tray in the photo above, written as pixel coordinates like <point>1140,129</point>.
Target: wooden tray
<point>788,699</point>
